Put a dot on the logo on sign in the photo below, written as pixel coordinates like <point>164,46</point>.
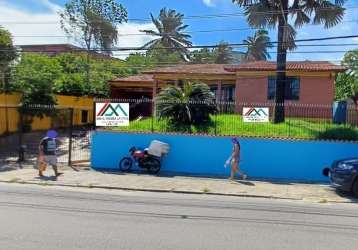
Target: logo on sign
<point>256,114</point>
<point>112,114</point>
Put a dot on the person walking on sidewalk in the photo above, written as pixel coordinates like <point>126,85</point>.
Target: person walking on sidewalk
<point>235,160</point>
<point>47,152</point>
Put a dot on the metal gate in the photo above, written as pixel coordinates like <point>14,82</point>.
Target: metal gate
<point>80,144</point>
<point>19,140</point>
<point>21,133</point>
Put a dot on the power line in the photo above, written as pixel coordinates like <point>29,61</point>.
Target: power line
<point>241,46</point>
<point>185,47</point>
<point>271,52</point>
<point>144,34</point>
<point>208,16</point>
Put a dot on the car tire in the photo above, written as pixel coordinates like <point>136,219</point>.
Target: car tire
<point>325,172</point>
<point>355,188</point>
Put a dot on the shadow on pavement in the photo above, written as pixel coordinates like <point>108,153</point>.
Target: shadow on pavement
<point>47,178</point>
<point>247,183</point>
<point>6,168</point>
<point>346,195</point>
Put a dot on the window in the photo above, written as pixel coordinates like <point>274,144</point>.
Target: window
<point>292,88</point>
<point>84,116</point>
<point>228,93</point>
<point>214,89</point>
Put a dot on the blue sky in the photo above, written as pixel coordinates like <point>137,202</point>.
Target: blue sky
<point>14,14</point>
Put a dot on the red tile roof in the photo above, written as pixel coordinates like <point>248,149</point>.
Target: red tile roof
<point>212,69</point>
<point>292,66</point>
<point>143,78</point>
<point>228,69</point>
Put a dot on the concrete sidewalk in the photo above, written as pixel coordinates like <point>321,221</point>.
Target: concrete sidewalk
<point>84,177</point>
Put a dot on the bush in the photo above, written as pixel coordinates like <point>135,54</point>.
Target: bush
<point>348,134</point>
<point>191,105</point>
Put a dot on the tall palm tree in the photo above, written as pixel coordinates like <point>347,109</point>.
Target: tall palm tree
<point>170,33</point>
<point>281,13</point>
<point>257,46</point>
<point>223,53</point>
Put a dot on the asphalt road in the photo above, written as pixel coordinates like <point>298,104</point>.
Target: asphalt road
<point>51,218</point>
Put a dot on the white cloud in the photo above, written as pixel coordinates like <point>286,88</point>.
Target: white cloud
<point>29,27</point>
<point>26,28</point>
<point>51,6</point>
<point>209,3</point>
<point>129,35</point>
<point>224,6</point>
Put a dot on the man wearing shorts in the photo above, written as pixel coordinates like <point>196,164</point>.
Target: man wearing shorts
<point>47,150</point>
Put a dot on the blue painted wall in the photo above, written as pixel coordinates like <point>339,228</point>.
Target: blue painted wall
<point>205,155</point>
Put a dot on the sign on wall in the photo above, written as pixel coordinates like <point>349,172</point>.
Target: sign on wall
<point>256,114</point>
<point>112,114</point>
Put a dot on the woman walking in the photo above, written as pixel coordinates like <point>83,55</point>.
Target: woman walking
<point>235,160</point>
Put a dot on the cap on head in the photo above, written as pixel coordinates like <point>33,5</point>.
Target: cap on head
<point>234,140</point>
<point>51,134</point>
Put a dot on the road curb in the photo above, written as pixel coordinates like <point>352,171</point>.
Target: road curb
<point>164,191</point>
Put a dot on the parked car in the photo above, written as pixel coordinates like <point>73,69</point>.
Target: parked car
<point>344,175</point>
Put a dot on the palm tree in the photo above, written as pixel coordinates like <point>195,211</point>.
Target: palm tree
<point>280,13</point>
<point>170,33</point>
<point>222,53</point>
<point>203,55</point>
<point>190,105</point>
<point>257,46</point>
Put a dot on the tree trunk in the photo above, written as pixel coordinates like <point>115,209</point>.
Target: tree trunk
<point>279,112</point>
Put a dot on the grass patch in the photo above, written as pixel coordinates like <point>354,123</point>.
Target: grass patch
<point>206,190</point>
<point>90,185</point>
<point>232,124</point>
<point>44,184</point>
<point>323,201</point>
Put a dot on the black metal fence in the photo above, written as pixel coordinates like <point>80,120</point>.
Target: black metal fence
<point>21,133</point>
<point>302,121</point>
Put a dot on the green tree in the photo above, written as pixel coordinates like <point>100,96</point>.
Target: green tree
<point>153,58</point>
<point>66,74</point>
<point>203,55</point>
<point>190,105</point>
<point>281,14</point>
<point>347,82</point>
<point>8,54</point>
<point>162,57</point>
<point>222,53</point>
<point>257,46</point>
<point>93,22</point>
<point>139,61</point>
<point>170,33</point>
<point>72,77</point>
<point>35,77</point>
<point>347,87</point>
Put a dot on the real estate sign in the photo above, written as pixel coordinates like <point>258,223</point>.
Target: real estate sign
<point>112,114</point>
<point>255,114</point>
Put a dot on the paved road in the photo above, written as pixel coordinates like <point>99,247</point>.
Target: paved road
<point>51,218</point>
